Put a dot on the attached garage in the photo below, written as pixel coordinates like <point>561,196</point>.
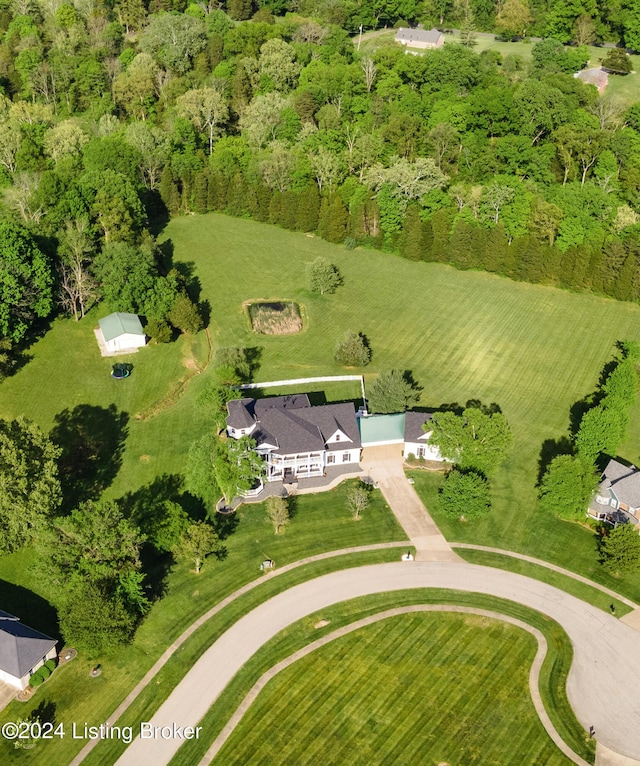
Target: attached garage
<point>120,333</point>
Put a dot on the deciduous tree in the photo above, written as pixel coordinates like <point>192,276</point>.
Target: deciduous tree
<point>357,501</point>
<point>322,276</point>
<point>474,439</point>
<point>465,495</point>
<point>567,487</point>
<point>392,391</point>
<point>620,549</point>
<point>29,485</point>
<point>198,541</point>
<point>277,512</point>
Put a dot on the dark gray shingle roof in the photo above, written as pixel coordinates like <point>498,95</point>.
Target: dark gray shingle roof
<point>294,425</point>
<point>413,425</point>
<point>21,647</point>
<point>240,413</point>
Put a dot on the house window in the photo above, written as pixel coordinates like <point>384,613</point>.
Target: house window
<point>331,459</point>
<point>337,437</point>
<point>420,451</point>
<point>346,456</point>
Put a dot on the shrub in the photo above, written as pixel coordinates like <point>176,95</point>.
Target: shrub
<point>322,276</point>
<point>350,243</point>
<point>36,679</point>
<point>45,672</point>
<point>158,330</point>
<point>51,664</point>
<point>185,315</point>
<point>352,350</point>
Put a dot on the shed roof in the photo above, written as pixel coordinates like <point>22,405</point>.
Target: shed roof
<point>21,646</point>
<point>381,428</point>
<point>120,323</point>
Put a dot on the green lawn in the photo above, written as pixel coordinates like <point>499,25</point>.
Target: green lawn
<point>430,688</point>
<point>321,523</point>
<point>533,350</point>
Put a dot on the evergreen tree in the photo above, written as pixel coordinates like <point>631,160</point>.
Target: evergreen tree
<point>217,191</point>
<point>623,288</point>
<point>335,229</point>
<point>236,199</point>
<point>289,211</point>
<point>412,246</point>
<point>441,227</point>
<point>275,207</point>
<point>200,193</point>
<point>308,208</point>
<point>495,249</point>
<point>169,191</point>
<point>462,243</point>
<point>531,265</point>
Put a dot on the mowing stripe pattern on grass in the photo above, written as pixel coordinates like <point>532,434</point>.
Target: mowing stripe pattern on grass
<point>534,675</point>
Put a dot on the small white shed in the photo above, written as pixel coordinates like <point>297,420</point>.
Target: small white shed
<point>120,332</point>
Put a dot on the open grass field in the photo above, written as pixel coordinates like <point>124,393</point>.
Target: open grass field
<point>321,523</point>
<point>533,350</point>
<point>424,688</point>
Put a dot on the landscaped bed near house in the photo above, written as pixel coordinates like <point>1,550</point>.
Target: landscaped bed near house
<point>275,317</point>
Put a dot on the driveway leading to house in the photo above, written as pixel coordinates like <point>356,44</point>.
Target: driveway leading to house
<point>602,686</point>
<point>385,466</point>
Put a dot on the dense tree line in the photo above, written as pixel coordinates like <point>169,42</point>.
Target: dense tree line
<point>111,115</point>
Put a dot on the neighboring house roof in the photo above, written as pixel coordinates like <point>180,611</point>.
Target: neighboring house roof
<point>413,425</point>
<point>595,76</point>
<point>419,35</point>
<point>292,425</point>
<point>624,481</point>
<point>120,323</point>
<point>21,647</point>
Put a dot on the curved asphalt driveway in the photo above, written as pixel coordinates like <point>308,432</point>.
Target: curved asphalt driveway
<point>603,685</point>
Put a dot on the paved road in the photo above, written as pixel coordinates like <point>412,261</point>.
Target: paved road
<point>603,685</point>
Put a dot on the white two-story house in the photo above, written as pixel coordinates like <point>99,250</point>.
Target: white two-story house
<point>297,440</point>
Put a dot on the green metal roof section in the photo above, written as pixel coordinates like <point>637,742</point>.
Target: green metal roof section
<point>381,428</point>
<point>120,323</point>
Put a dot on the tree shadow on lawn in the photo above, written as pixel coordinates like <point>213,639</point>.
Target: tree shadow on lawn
<point>552,448</point>
<point>32,609</point>
<point>146,508</point>
<point>92,440</point>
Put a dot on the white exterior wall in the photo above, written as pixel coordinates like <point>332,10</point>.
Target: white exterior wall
<point>339,455</point>
<point>127,340</point>
<point>428,452</point>
<point>17,683</point>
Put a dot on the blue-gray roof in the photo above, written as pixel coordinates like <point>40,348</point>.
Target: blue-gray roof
<point>120,323</point>
<point>21,647</point>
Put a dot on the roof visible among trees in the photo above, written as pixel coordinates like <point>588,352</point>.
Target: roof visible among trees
<point>623,481</point>
<point>21,647</point>
<point>595,76</point>
<point>419,35</point>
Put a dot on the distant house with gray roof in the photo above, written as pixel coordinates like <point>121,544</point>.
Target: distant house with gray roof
<point>595,76</point>
<point>420,38</point>
<point>296,439</point>
<point>22,651</point>
<point>618,498</point>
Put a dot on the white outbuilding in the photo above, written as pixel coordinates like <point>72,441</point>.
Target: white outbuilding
<point>120,333</point>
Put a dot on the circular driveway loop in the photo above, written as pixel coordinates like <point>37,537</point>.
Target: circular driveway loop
<point>603,685</point>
